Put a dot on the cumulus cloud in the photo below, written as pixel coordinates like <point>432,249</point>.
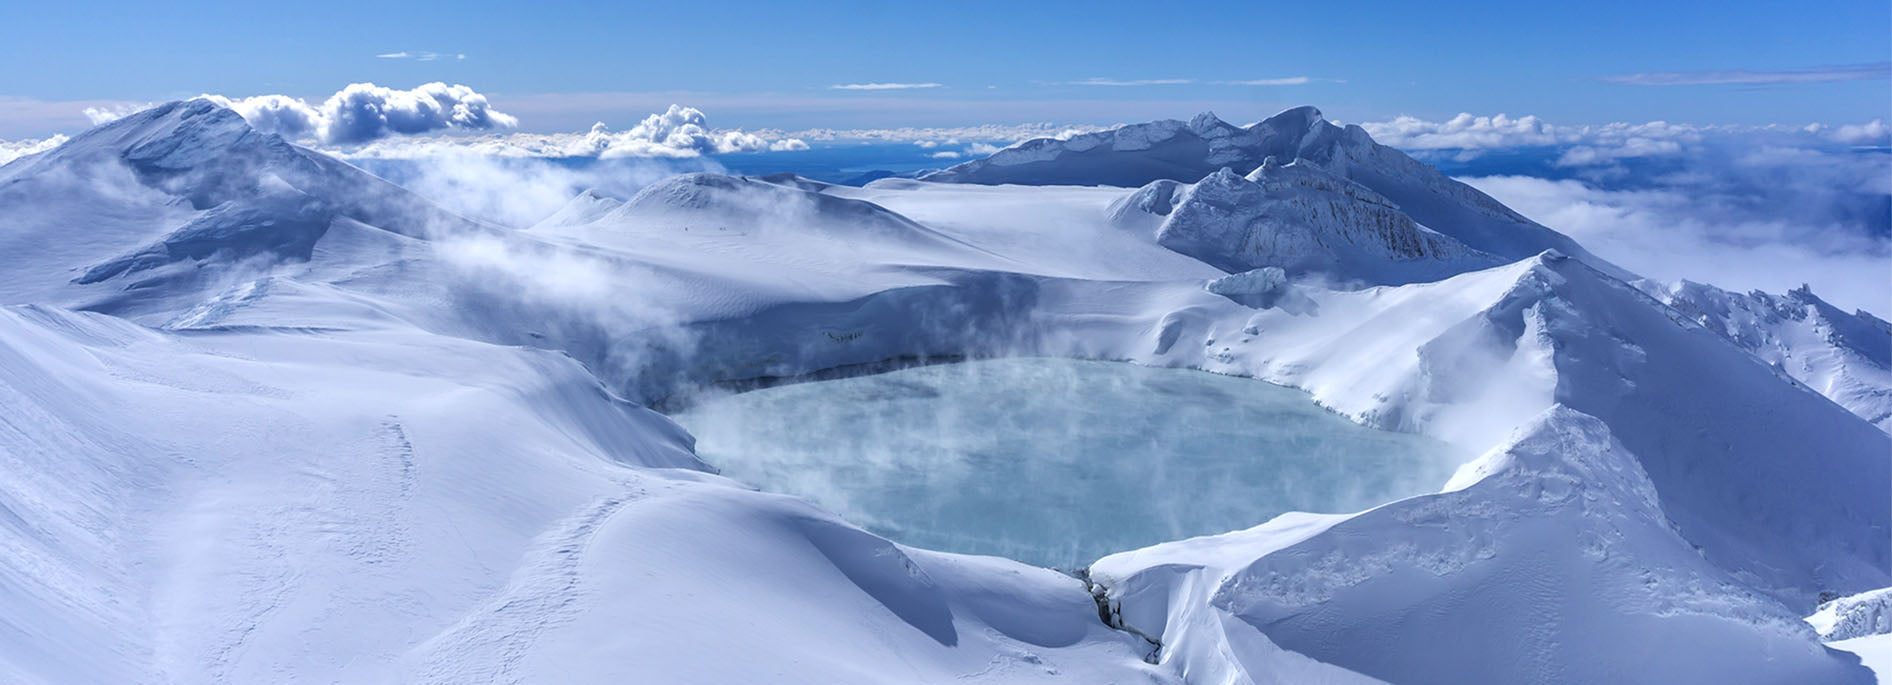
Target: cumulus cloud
<point>363,112</point>
<point>1872,132</point>
<point>678,132</point>
<point>14,149</point>
<point>884,86</point>
<point>945,154</point>
<point>1845,72</point>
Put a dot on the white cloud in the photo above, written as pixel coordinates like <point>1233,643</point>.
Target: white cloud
<point>884,86</point>
<point>100,114</point>
<point>678,132</point>
<point>363,112</point>
<point>1736,214</point>
<point>1464,131</point>
<point>1606,141</point>
<point>1289,81</point>
<point>1100,81</point>
<point>1872,132</point>
<point>945,154</point>
<point>1846,72</point>
<point>14,149</point>
<point>982,149</point>
<point>422,56</point>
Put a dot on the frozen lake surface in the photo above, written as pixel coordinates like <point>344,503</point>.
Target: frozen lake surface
<point>1057,462</point>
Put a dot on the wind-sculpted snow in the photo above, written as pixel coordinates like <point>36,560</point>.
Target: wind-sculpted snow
<point>1708,421</point>
<point>1846,357</point>
<point>373,441</point>
<point>1533,546</point>
<point>1854,616</point>
<point>1263,288</point>
<point>1300,219</point>
<point>285,226</point>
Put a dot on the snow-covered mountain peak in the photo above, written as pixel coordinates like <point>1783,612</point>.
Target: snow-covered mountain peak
<point>778,207</point>
<point>1208,125</point>
<point>1296,217</point>
<point>586,207</point>
<point>1295,131</point>
<point>1138,154</point>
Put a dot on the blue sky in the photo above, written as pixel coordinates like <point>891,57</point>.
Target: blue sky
<point>560,65</point>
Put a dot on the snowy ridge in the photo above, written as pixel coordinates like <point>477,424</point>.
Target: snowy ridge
<point>1846,357</point>
<point>1300,219</point>
<point>1861,615</point>
<point>1139,154</point>
<point>1401,576</point>
<point>224,498</point>
<point>587,207</point>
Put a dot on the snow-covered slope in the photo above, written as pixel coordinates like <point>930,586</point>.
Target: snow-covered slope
<point>1298,218</point>
<point>1846,357</point>
<point>1534,547</point>
<point>1138,154</point>
<point>586,207</point>
<point>393,506</point>
<point>155,209</point>
<point>310,426</point>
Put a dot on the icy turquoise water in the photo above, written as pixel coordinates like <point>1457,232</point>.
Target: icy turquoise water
<point>1057,462</point>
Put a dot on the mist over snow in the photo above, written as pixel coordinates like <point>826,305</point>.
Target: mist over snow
<point>295,392</point>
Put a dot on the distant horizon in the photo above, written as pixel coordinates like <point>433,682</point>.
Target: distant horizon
<point>560,66</point>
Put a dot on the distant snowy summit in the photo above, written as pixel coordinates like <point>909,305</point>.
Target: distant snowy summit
<point>1171,150</point>
<point>1298,218</point>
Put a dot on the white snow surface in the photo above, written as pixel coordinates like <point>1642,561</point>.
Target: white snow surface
<point>1297,218</point>
<point>1847,357</point>
<point>1860,615</point>
<point>267,417</point>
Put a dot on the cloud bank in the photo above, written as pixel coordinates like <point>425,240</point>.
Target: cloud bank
<point>678,132</point>
<point>363,112</point>
<point>1740,207</point>
<point>1846,72</point>
<point>1468,132</point>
